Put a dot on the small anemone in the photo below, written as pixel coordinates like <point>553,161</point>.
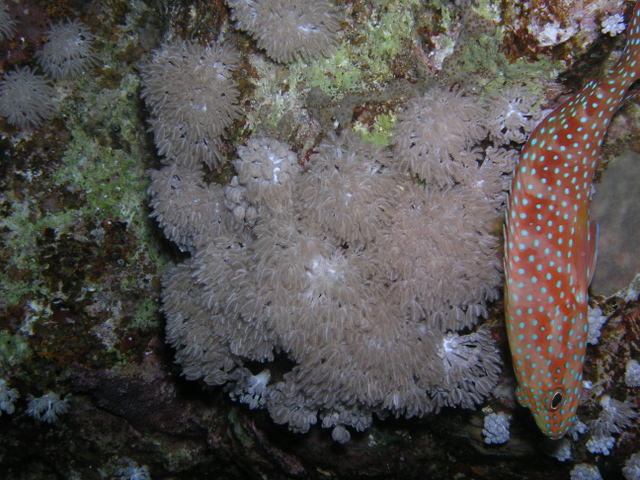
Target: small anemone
<point>471,369</point>
<point>187,209</point>
<point>615,417</point>
<point>26,98</point>
<point>67,50</point>
<point>268,170</point>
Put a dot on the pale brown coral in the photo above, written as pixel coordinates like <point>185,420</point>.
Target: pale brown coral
<point>368,315</point>
<point>267,168</point>
<point>350,190</point>
<point>435,134</point>
<point>289,30</point>
<point>186,208</point>
<point>440,257</point>
<point>193,98</point>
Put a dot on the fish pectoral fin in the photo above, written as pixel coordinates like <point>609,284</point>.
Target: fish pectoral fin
<point>592,250</point>
<point>522,397</point>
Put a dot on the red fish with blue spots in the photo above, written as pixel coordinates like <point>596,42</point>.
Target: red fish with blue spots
<point>550,243</point>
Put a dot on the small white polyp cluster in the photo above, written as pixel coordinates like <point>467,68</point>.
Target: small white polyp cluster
<point>48,407</point>
<point>496,428</point>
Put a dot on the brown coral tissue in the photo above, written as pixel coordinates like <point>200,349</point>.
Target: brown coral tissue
<point>371,283</point>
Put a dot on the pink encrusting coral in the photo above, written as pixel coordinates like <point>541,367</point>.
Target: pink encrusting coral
<point>192,97</point>
<point>289,30</point>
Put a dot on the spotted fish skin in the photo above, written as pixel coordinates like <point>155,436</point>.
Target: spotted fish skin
<point>550,244</point>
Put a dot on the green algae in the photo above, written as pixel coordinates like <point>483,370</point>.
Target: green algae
<point>481,58</point>
<point>380,132</point>
<point>363,61</point>
<point>76,230</point>
<point>145,315</point>
<point>14,349</point>
<point>107,167</point>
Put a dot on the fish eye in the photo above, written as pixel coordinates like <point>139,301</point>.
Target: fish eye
<point>556,400</point>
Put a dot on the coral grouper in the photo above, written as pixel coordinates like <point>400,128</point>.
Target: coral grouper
<point>550,244</point>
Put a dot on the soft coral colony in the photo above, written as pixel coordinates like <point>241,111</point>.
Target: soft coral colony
<point>368,268</point>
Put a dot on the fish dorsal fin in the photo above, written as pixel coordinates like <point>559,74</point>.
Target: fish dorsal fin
<point>592,250</point>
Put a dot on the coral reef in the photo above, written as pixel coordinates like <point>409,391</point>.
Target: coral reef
<point>358,275</point>
<point>26,98</point>
<point>67,50</point>
<point>82,261</point>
